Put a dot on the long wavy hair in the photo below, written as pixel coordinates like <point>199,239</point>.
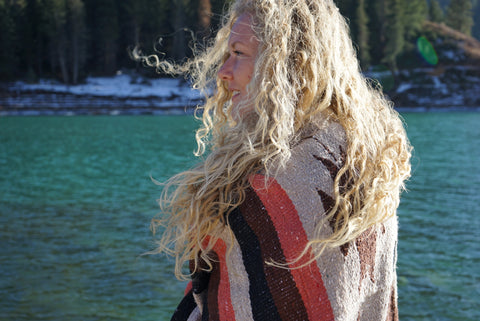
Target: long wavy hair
<point>306,68</point>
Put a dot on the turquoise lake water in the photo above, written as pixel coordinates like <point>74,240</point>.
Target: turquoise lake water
<point>76,200</point>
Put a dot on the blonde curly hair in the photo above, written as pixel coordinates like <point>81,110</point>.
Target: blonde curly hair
<point>306,67</point>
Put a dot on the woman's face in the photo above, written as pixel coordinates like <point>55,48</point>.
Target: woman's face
<point>237,70</point>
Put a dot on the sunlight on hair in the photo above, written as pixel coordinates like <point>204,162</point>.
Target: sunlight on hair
<point>306,70</point>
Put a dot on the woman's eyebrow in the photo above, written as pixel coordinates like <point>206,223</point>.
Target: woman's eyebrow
<point>236,43</point>
<point>241,42</point>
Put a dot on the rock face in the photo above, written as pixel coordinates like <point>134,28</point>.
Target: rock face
<point>17,102</point>
<point>452,81</point>
<point>115,95</point>
<point>440,87</point>
<point>429,88</point>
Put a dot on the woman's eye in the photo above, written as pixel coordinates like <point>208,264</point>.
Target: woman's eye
<point>237,53</point>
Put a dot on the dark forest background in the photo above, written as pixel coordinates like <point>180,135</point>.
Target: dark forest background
<point>72,39</point>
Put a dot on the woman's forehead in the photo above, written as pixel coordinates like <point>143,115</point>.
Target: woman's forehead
<point>242,26</point>
<point>242,30</point>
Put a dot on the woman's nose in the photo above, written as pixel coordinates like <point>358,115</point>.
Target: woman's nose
<point>225,72</point>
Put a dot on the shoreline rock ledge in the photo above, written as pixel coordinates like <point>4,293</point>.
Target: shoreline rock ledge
<point>423,89</point>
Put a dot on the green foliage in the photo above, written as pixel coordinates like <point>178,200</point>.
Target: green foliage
<point>476,19</point>
<point>435,12</point>
<point>395,29</point>
<point>460,16</point>
<point>8,58</point>
<point>104,34</point>
<point>71,39</point>
<point>414,14</point>
<point>363,33</point>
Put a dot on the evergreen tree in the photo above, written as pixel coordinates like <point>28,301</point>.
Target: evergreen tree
<point>362,34</point>
<point>476,19</point>
<point>435,12</point>
<point>395,30</point>
<point>204,16</point>
<point>102,21</point>
<point>186,18</point>
<point>414,13</point>
<point>58,38</point>
<point>76,37</point>
<point>24,19</point>
<point>43,20</point>
<point>93,36</point>
<point>356,15</point>
<point>376,25</point>
<point>179,23</point>
<point>8,59</point>
<point>459,16</point>
<point>347,8</point>
<point>141,24</point>
<point>66,36</point>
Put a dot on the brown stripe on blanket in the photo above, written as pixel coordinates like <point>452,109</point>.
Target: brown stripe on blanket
<point>280,280</point>
<point>367,249</point>
<point>392,306</point>
<point>212,298</point>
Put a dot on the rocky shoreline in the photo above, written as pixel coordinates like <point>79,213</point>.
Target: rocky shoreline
<point>122,94</point>
<point>426,89</point>
<point>452,87</point>
<point>35,103</point>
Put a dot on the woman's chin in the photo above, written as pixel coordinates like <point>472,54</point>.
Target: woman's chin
<point>243,114</point>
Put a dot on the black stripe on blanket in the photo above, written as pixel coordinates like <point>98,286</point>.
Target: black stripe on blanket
<point>185,308</point>
<point>281,283</point>
<point>261,300</point>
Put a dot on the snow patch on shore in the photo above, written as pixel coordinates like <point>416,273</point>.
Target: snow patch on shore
<point>121,85</point>
<point>121,94</point>
<point>422,89</point>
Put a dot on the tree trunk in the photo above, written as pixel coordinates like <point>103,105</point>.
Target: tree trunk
<point>179,45</point>
<point>395,41</point>
<point>77,37</point>
<point>363,34</point>
<point>60,39</point>
<point>460,16</point>
<point>62,61</point>
<point>204,17</point>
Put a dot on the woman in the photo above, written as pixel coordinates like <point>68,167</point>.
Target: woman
<point>291,215</point>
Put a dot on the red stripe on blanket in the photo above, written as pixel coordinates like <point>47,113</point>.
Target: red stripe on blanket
<point>188,288</point>
<point>281,284</point>
<point>293,239</point>
<point>224,300</point>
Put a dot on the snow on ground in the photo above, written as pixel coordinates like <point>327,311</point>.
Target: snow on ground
<point>132,94</point>
<point>122,85</point>
<point>403,87</point>
<point>121,94</point>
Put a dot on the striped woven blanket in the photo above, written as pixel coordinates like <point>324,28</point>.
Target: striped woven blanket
<point>356,281</point>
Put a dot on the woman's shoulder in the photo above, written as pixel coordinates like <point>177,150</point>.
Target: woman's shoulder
<point>317,157</point>
<point>308,176</point>
<point>326,134</point>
